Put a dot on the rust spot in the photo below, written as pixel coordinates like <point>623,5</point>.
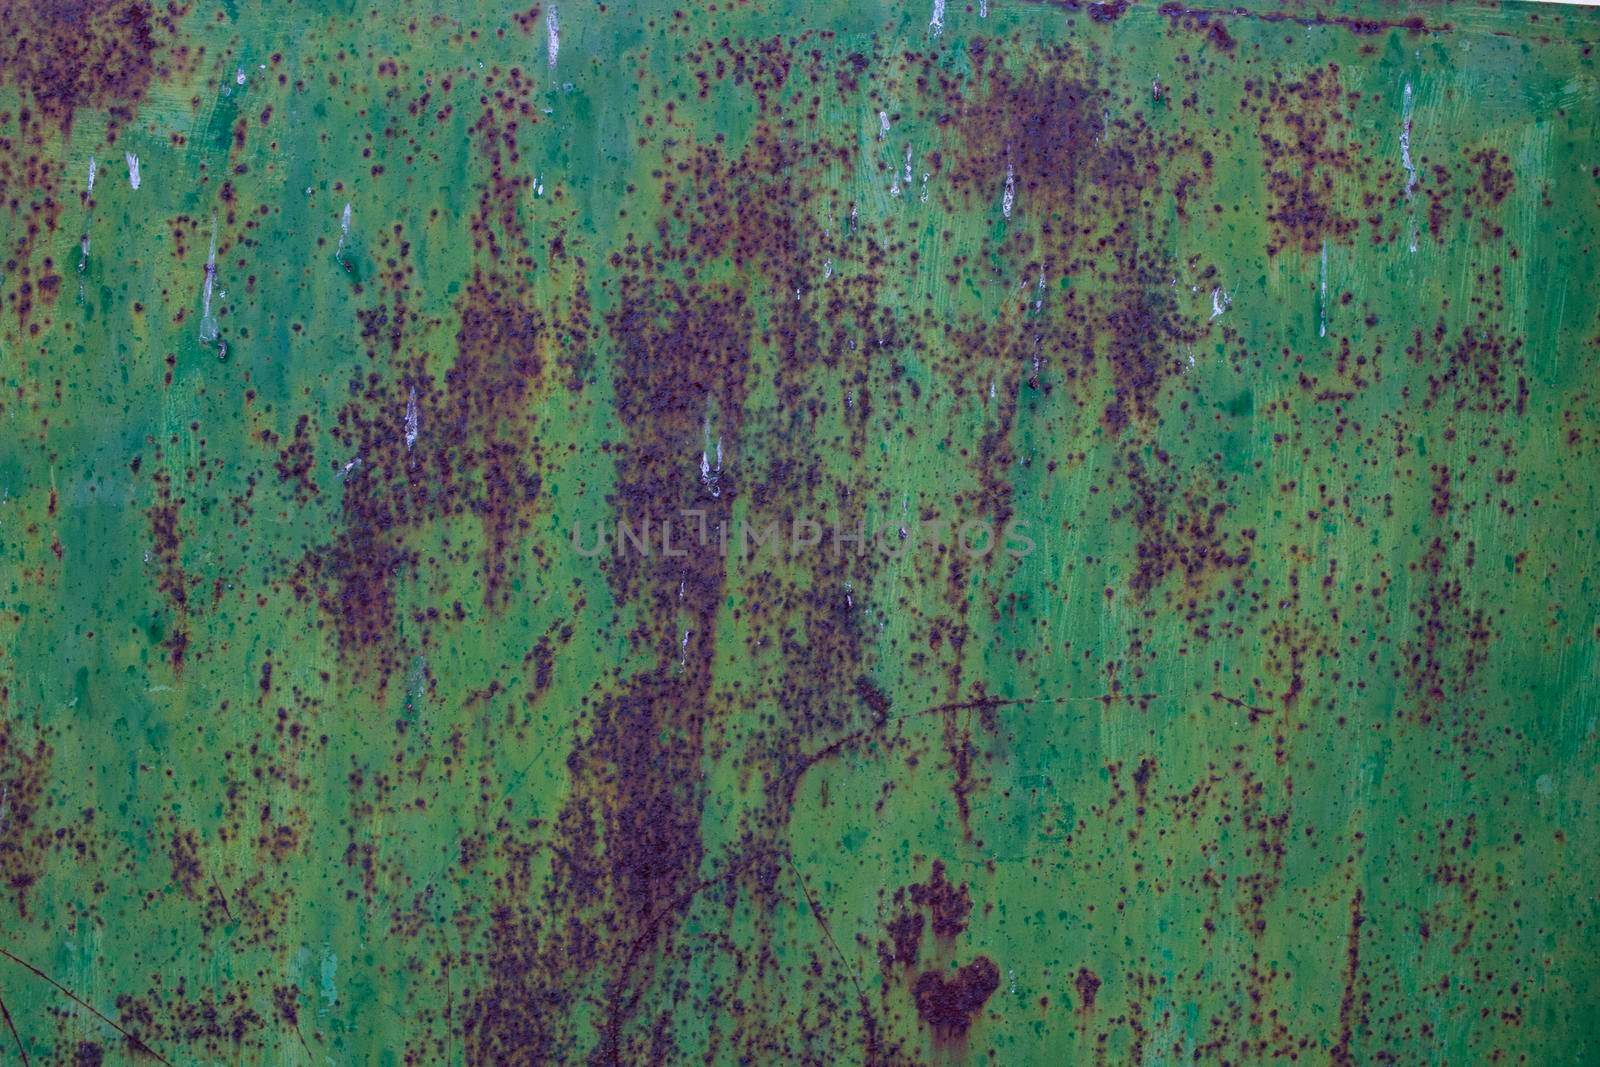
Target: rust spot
<point>1088,986</point>
<point>950,905</point>
<point>951,1005</point>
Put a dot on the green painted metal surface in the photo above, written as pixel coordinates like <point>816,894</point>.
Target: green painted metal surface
<point>1096,516</point>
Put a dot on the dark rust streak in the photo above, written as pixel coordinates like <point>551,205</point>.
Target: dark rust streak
<point>1360,27</point>
<point>1347,1004</point>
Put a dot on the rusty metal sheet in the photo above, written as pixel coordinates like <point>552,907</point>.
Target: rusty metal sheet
<point>759,532</point>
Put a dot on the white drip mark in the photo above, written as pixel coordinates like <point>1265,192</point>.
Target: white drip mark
<point>983,9</point>
<point>208,325</point>
<point>936,23</point>
<point>711,476</point>
<point>91,174</point>
<point>413,419</point>
<point>1405,157</point>
<point>1220,301</point>
<point>894,190</point>
<point>133,168</point>
<point>344,231</point>
<point>883,125</point>
<point>1322,304</point>
<point>1038,303</point>
<point>827,270</point>
<point>1010,197</point>
<point>552,34</point>
<point>1405,143</point>
<point>238,77</point>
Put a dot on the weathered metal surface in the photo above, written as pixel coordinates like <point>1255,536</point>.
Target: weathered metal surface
<point>1261,344</point>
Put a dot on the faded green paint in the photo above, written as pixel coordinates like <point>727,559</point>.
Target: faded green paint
<point>1282,741</point>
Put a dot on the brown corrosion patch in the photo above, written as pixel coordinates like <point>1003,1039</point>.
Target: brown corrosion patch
<point>1088,986</point>
<point>949,904</point>
<point>64,57</point>
<point>23,773</point>
<point>950,1005</point>
<point>82,53</point>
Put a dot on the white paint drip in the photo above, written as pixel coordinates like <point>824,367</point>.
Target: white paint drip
<point>1405,158</point>
<point>1010,197</point>
<point>91,173</point>
<point>413,420</point>
<point>208,325</point>
<point>133,168</point>
<point>710,476</point>
<point>936,23</point>
<point>552,33</point>
<point>1405,143</point>
<point>1322,304</point>
<point>1220,301</point>
<point>344,231</point>
<point>983,9</point>
<point>883,125</point>
<point>894,190</point>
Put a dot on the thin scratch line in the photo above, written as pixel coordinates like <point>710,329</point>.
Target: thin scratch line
<point>14,1035</point>
<point>866,1009</point>
<point>138,1045</point>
